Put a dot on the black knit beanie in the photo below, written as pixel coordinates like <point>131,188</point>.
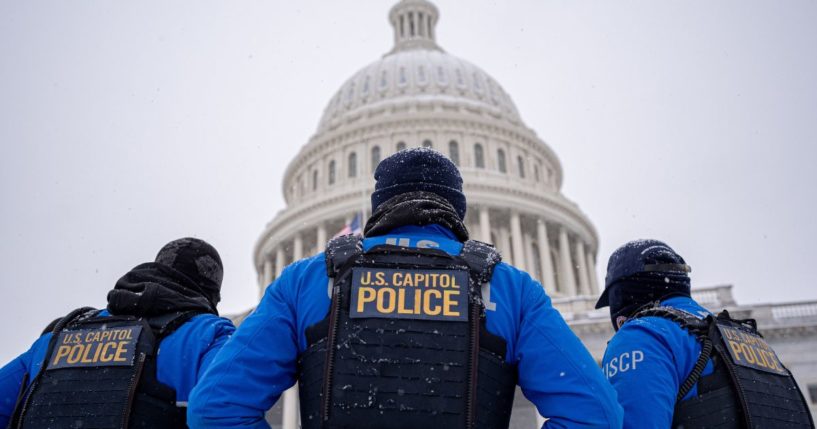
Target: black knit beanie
<point>197,260</point>
<point>418,169</point>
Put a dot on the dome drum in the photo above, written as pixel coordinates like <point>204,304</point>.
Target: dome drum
<point>484,151</point>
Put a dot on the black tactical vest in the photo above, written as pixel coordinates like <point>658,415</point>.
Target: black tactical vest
<point>404,344</point>
<point>749,388</point>
<point>100,372</point>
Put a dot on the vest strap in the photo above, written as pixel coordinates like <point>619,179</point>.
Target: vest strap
<point>341,250</point>
<point>481,259</point>
<point>695,326</point>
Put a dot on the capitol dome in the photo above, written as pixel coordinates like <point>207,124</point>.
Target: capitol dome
<point>419,95</point>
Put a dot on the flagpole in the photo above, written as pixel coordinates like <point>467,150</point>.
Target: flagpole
<point>363,208</point>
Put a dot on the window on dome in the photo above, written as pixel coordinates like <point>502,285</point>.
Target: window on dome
<point>441,78</point>
<point>314,180</point>
<point>421,74</point>
<point>331,174</point>
<point>402,75</point>
<point>460,80</point>
<point>366,85</point>
<point>420,19</point>
<point>384,79</point>
<point>454,152</point>
<point>536,172</point>
<point>477,83</point>
<point>427,143</point>
<point>520,164</point>
<point>401,146</point>
<point>411,24</point>
<point>500,160</point>
<point>353,164</point>
<point>375,157</point>
<point>402,27</point>
<point>479,157</point>
<point>430,28</point>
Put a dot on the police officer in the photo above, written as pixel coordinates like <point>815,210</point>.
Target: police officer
<point>674,364</point>
<point>102,368</point>
<point>418,327</point>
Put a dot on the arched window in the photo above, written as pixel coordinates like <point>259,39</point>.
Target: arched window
<point>401,146</point>
<point>375,157</point>
<point>331,174</point>
<point>536,172</point>
<point>520,163</point>
<point>353,164</point>
<point>314,180</point>
<point>427,143</point>
<point>479,157</point>
<point>454,152</point>
<point>500,160</point>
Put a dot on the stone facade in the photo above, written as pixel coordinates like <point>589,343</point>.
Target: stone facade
<point>419,95</point>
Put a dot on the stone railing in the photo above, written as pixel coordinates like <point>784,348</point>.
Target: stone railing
<point>583,306</point>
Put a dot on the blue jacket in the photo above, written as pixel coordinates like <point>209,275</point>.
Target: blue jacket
<point>646,362</point>
<point>183,357</point>
<point>258,363</point>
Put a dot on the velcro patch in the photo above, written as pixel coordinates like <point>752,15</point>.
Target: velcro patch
<point>750,350</point>
<point>95,347</point>
<point>440,295</point>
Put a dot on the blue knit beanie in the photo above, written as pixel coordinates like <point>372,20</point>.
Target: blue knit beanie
<point>418,169</point>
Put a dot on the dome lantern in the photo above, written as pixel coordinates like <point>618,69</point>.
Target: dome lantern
<point>413,22</point>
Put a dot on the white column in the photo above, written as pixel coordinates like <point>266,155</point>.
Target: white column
<point>530,261</point>
<point>290,417</point>
<point>505,244</point>
<point>566,264</point>
<point>321,237</point>
<point>584,280</point>
<point>485,225</point>
<point>548,279</point>
<point>266,278</point>
<point>279,260</point>
<point>591,272</point>
<point>518,244</point>
<point>297,247</point>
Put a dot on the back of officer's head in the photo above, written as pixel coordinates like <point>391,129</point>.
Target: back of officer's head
<point>639,273</point>
<point>198,261</point>
<point>418,169</point>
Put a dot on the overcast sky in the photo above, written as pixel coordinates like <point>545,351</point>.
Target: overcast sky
<point>125,125</point>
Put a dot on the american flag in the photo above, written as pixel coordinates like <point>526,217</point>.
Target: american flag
<point>352,227</point>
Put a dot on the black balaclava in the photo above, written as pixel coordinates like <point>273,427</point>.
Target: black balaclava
<point>186,276</point>
<point>639,273</point>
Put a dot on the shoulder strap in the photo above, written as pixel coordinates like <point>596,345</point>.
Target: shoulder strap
<point>688,321</point>
<point>341,250</point>
<point>166,324</point>
<point>481,259</point>
<point>695,326</point>
<point>80,313</point>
